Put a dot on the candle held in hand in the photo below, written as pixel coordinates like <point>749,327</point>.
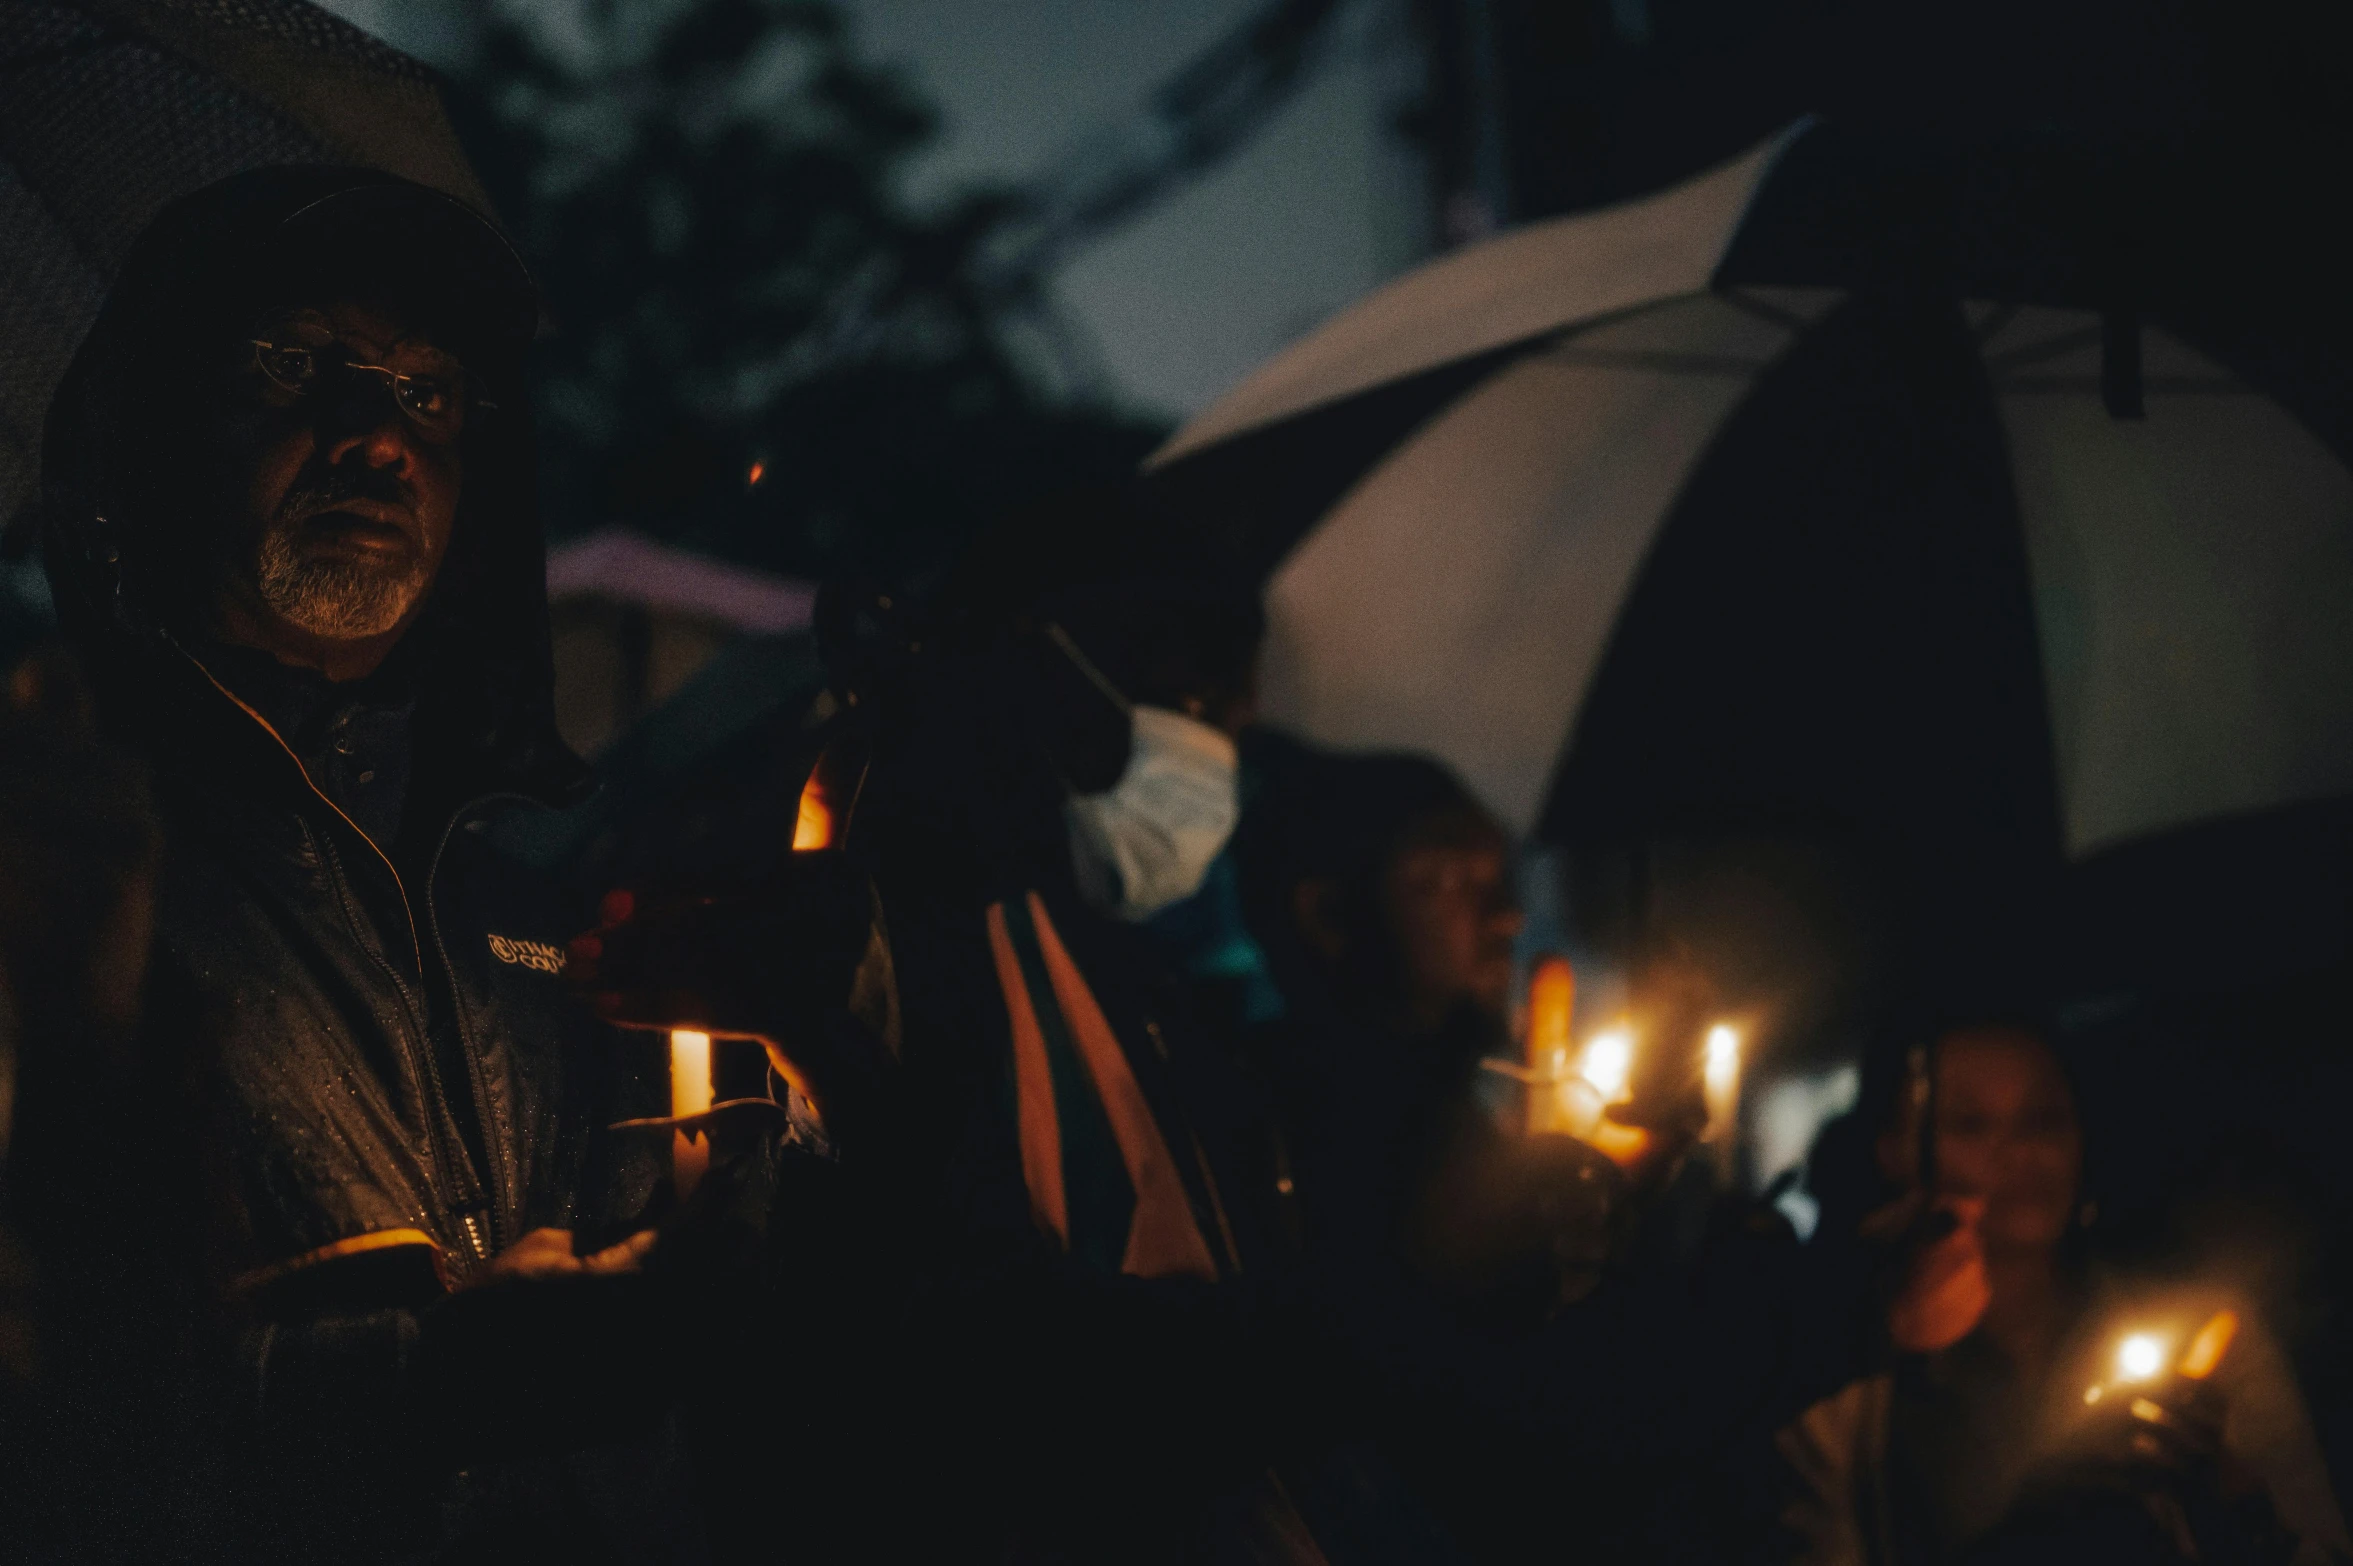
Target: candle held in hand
<point>690,1094</point>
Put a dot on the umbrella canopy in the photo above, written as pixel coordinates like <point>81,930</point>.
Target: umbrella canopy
<point>109,109</point>
<point>1818,446</point>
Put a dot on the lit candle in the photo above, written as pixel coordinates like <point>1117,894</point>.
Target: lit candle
<point>1607,1072</point>
<point>2143,1356</point>
<point>1552,998</point>
<point>2213,1341</point>
<point>1609,1064</point>
<point>2140,1356</point>
<point>690,1094</point>
<point>1720,1077</point>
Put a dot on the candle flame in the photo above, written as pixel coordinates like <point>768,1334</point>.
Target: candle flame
<point>759,471</point>
<point>1609,1061</point>
<point>1723,1057</point>
<point>2139,1357</point>
<point>2212,1342</point>
<point>813,828</point>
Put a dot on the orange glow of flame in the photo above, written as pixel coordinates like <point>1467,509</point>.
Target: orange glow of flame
<point>759,472</point>
<point>813,828</point>
<point>2212,1342</point>
<point>1552,997</point>
<point>1555,1100</point>
<point>1620,1144</point>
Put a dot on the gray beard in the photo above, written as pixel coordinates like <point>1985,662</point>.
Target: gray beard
<point>339,600</point>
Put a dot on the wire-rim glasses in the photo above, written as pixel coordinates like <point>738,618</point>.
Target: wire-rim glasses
<point>434,399</point>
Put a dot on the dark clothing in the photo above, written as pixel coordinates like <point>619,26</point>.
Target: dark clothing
<point>353,740</point>
<point>391,1082</point>
<point>1630,1410</point>
<point>396,1052</point>
<point>1148,1404</point>
<point>1964,1455</point>
<point>1087,1412</point>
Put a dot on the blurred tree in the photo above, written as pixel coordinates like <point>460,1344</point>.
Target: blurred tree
<point>759,348</point>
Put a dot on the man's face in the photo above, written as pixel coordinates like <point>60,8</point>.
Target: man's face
<point>342,502</point>
<point>1452,918</point>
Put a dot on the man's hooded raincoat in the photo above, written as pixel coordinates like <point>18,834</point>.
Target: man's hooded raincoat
<point>394,1082</point>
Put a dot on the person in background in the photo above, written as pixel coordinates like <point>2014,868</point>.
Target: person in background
<point>1543,1378</point>
<point>1978,1443</point>
<point>1059,767</point>
<point>289,526</point>
<point>99,1287</point>
<point>1072,1151</point>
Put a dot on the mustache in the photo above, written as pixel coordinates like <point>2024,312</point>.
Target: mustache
<point>326,488</point>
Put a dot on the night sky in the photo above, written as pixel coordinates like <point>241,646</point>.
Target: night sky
<point>1321,207</point>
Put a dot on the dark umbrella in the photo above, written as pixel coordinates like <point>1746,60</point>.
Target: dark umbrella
<point>109,109</point>
<point>1908,576</point>
<point>1837,437</point>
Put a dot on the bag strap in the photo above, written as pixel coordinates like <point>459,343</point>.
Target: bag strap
<point>1164,1238</point>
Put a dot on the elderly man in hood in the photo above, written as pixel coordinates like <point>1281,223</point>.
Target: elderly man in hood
<point>289,524</point>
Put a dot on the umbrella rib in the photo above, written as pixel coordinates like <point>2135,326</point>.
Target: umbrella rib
<point>2048,348</point>
<point>2186,385</point>
<point>1740,299</point>
<point>1991,327</point>
<point>1553,338</point>
<point>1658,359</point>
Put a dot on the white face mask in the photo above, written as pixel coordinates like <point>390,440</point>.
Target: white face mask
<point>1148,840</point>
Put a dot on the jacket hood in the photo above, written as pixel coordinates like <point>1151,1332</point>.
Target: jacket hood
<point>128,526</point>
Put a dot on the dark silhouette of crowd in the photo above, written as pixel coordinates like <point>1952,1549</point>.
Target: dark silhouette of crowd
<point>1117,1149</point>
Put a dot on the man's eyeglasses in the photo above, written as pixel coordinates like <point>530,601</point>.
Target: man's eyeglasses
<point>433,394</point>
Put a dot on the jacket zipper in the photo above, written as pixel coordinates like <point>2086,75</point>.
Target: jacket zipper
<point>495,1173</point>
<point>483,1245</point>
<point>444,1159</point>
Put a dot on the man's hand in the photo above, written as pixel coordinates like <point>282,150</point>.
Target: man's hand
<point>797,962</point>
<point>749,961</point>
<point>548,1253</point>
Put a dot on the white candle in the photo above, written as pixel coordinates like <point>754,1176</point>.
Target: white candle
<point>690,1094</point>
<point>1721,1079</point>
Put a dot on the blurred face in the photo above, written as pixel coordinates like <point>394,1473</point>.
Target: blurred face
<point>2006,1131</point>
<point>343,484</point>
<point>1451,917</point>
